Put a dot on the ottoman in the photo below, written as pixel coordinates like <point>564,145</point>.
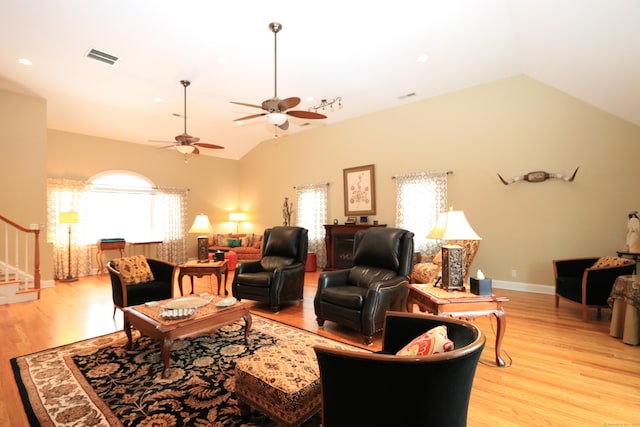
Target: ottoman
<point>281,381</point>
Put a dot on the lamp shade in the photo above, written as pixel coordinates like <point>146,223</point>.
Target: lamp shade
<point>68,218</point>
<point>276,118</point>
<point>453,225</point>
<point>185,149</point>
<point>237,216</point>
<point>201,225</point>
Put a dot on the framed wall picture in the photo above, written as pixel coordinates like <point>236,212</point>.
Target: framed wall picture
<point>359,190</point>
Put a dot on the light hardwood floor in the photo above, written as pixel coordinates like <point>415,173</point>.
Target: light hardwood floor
<point>564,372</point>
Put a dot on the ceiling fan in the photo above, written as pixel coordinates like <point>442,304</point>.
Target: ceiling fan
<point>185,143</point>
<point>276,108</point>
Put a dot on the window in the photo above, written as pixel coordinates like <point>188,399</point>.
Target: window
<point>122,204</point>
<point>311,214</point>
<point>419,199</point>
<point>114,204</point>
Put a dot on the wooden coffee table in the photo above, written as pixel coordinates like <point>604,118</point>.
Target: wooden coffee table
<point>200,269</point>
<point>460,304</point>
<point>206,319</point>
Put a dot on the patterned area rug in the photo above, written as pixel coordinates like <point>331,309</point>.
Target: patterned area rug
<point>99,382</point>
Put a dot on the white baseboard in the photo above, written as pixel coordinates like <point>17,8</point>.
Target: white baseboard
<point>523,287</point>
<point>47,284</point>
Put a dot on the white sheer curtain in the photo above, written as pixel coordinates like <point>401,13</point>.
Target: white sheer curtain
<point>311,213</point>
<point>173,205</point>
<point>419,199</point>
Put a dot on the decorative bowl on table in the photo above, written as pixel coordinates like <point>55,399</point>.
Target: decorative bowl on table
<point>176,313</point>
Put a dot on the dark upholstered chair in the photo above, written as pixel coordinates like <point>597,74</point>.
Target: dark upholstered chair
<point>579,282</point>
<point>158,289</point>
<point>360,296</point>
<point>381,389</point>
<point>279,275</point>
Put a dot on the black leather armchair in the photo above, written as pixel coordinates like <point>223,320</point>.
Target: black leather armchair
<point>279,275</point>
<point>360,296</point>
<point>577,281</point>
<point>158,289</point>
<point>411,390</point>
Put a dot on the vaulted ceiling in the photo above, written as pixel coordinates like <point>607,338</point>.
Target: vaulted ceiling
<point>367,53</point>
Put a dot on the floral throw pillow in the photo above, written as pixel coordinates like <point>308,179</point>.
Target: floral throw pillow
<point>134,269</point>
<point>610,261</point>
<point>433,341</point>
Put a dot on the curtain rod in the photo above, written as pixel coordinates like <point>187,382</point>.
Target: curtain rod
<point>295,187</point>
<point>423,173</point>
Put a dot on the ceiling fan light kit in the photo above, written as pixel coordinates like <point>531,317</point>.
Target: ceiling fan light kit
<point>277,109</point>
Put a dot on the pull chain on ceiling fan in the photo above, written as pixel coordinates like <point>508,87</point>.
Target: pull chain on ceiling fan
<point>276,108</point>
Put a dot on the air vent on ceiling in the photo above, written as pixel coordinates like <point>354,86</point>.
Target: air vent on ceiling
<point>408,95</point>
<point>102,56</point>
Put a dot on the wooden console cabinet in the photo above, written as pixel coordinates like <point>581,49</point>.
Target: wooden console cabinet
<point>339,243</point>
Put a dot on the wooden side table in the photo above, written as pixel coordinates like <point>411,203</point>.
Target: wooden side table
<point>108,245</point>
<point>201,269</point>
<point>460,304</point>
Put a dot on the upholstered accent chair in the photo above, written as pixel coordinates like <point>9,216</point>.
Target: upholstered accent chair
<point>136,280</point>
<point>359,297</point>
<point>588,281</point>
<point>279,275</point>
<point>428,272</point>
<point>430,390</point>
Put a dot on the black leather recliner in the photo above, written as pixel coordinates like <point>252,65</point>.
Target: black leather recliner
<point>359,297</point>
<point>279,275</point>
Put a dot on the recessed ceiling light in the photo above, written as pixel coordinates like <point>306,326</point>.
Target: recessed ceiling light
<point>24,61</point>
<point>239,122</point>
<point>423,58</point>
<point>223,60</point>
<point>309,98</point>
<point>158,99</point>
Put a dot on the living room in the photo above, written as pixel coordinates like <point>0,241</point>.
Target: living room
<point>511,126</point>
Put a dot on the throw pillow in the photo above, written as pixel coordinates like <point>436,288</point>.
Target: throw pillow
<point>610,261</point>
<point>433,341</point>
<point>234,243</point>
<point>134,269</point>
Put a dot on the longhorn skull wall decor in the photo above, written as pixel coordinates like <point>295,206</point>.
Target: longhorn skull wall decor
<point>539,176</point>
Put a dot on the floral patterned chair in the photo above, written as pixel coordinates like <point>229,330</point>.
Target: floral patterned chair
<point>428,272</point>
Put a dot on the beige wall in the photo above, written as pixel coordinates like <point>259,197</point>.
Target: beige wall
<point>511,127</point>
<point>23,155</point>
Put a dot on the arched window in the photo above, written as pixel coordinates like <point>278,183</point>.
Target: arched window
<point>123,204</point>
<point>114,204</point>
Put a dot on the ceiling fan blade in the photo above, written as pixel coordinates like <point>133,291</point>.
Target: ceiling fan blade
<point>285,125</point>
<point>205,145</point>
<point>246,105</point>
<point>306,114</point>
<point>285,104</point>
<point>253,116</point>
<point>195,150</point>
<point>162,141</point>
<point>173,144</point>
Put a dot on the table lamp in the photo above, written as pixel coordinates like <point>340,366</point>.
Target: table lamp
<point>202,226</point>
<point>453,225</point>
<point>237,217</point>
<point>69,218</point>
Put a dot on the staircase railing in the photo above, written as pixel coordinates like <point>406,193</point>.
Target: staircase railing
<point>18,254</point>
